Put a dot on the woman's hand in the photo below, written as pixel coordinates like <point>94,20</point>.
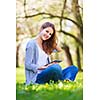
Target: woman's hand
<point>46,66</point>
<point>43,67</point>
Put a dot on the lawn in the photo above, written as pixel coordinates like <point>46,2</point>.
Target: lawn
<point>53,91</point>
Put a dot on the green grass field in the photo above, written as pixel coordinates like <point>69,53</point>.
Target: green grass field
<point>53,91</point>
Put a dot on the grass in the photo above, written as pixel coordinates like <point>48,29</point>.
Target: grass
<point>58,91</point>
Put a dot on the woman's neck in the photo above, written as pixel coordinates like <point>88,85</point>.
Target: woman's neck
<point>39,40</point>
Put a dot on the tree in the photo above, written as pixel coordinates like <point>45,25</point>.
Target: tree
<point>65,10</point>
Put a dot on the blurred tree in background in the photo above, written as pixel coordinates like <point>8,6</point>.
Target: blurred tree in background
<point>65,14</point>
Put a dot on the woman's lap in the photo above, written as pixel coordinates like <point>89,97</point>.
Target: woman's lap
<point>55,73</point>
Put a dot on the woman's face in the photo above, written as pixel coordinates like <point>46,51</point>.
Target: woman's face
<point>46,33</point>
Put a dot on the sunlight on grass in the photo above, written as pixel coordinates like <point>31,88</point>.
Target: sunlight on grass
<point>20,75</point>
<point>59,91</point>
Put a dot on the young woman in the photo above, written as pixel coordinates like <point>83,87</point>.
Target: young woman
<point>38,68</point>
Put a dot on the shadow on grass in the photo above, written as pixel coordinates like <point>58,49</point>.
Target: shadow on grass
<point>57,91</point>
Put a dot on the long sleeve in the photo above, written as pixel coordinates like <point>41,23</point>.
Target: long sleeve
<point>30,57</point>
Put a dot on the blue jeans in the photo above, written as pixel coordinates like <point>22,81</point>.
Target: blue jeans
<point>55,73</point>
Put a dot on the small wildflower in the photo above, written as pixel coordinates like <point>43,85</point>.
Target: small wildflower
<point>46,85</point>
<point>60,85</point>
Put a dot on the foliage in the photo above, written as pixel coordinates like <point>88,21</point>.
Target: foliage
<point>59,91</point>
<point>65,14</point>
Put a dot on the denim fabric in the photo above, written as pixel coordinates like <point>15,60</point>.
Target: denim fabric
<point>70,73</point>
<point>55,73</point>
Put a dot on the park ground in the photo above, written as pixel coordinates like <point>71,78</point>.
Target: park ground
<point>54,91</point>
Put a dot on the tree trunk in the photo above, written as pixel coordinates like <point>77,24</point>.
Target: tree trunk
<point>78,59</point>
<point>17,55</point>
<point>68,54</point>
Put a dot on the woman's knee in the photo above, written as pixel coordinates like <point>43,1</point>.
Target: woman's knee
<point>56,67</point>
<point>74,68</point>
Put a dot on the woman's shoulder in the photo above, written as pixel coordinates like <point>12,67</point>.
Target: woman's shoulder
<point>31,42</point>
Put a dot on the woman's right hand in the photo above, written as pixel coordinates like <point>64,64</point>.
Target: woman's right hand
<point>43,67</point>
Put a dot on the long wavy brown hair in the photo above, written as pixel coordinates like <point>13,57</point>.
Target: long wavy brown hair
<point>50,44</point>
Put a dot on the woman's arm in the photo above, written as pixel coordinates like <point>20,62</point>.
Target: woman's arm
<point>58,48</point>
<point>29,58</point>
